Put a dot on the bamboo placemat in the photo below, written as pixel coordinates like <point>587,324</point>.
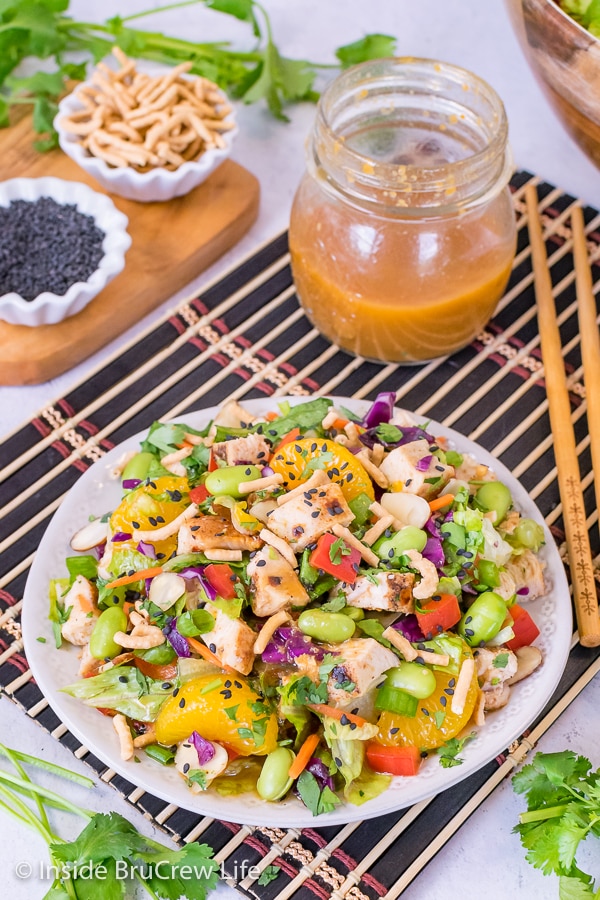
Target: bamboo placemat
<point>243,337</point>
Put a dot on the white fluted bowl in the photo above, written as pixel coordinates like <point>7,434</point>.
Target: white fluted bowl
<point>159,184</point>
<point>48,308</point>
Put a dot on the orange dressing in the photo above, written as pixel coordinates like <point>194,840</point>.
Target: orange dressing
<point>398,291</point>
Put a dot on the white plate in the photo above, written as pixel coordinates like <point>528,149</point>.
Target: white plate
<point>96,493</point>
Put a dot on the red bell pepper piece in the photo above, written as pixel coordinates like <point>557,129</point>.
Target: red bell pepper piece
<point>438,615</point>
<point>393,760</point>
<point>198,494</point>
<point>524,628</point>
<point>212,462</point>
<point>222,578</point>
<point>334,556</point>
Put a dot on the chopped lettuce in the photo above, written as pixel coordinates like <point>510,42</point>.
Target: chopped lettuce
<point>347,745</point>
<point>495,548</point>
<point>586,12</point>
<point>303,416</point>
<point>123,689</point>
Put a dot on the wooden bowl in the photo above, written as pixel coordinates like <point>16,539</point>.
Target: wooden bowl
<point>566,60</point>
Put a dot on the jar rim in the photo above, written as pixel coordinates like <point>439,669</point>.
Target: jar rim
<point>477,117</point>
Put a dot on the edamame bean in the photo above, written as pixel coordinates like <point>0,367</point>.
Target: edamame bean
<point>408,538</point>
<point>228,479</point>
<point>413,678</point>
<point>483,619</point>
<point>109,622</point>
<point>494,496</point>
<point>326,626</point>
<point>138,466</point>
<point>353,612</point>
<point>274,781</point>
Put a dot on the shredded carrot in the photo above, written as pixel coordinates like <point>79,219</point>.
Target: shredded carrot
<point>339,424</point>
<point>271,416</point>
<point>86,604</point>
<point>127,607</point>
<point>286,439</point>
<point>304,755</point>
<point>440,502</point>
<point>338,714</point>
<point>203,651</point>
<point>137,576</point>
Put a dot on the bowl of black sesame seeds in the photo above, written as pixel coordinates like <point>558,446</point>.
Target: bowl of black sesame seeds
<point>60,244</point>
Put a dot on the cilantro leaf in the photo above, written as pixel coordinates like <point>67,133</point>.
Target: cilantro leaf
<point>197,776</point>
<point>318,800</point>
<point>449,751</point>
<point>304,691</point>
<point>372,46</point>
<point>268,875</point>
<point>106,836</point>
<point>563,802</point>
<point>191,871</point>
<point>338,548</point>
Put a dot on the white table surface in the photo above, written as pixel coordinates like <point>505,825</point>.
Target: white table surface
<point>484,857</point>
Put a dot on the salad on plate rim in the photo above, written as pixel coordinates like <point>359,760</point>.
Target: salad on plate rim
<point>303,603</point>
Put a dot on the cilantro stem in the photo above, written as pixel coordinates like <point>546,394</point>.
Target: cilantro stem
<point>539,815</point>
<point>145,884</point>
<point>26,816</point>
<point>160,9</point>
<point>83,780</point>
<point>21,771</point>
<point>31,789</point>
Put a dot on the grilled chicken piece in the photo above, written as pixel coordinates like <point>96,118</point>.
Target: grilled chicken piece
<point>274,584</point>
<point>304,519</point>
<point>528,572</point>
<point>362,663</point>
<point>231,640</point>
<point>494,666</point>
<point>213,532</point>
<point>252,449</point>
<point>88,664</point>
<point>81,597</point>
<point>390,591</point>
<point>400,465</point>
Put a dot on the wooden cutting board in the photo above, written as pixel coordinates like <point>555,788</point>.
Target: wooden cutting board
<point>171,244</point>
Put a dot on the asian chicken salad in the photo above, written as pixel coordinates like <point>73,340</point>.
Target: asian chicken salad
<point>303,603</point>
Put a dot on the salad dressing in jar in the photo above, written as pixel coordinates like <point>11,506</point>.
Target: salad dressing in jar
<point>402,232</point>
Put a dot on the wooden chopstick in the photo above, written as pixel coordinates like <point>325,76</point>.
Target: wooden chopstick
<point>590,339</point>
<point>565,450</point>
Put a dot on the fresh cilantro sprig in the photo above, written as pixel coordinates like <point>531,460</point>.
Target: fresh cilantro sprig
<point>102,861</point>
<point>43,29</point>
<point>448,752</point>
<point>563,808</point>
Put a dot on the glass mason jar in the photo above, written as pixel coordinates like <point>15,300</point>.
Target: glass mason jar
<point>402,231</point>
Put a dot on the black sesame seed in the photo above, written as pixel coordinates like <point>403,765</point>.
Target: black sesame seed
<point>394,730</point>
<point>443,701</point>
<point>136,524</point>
<point>452,682</point>
<point>182,703</point>
<point>212,648</point>
<point>46,246</point>
<point>260,563</point>
<point>228,683</point>
<point>152,521</point>
<point>186,768</point>
<point>344,720</point>
<point>315,514</point>
<point>167,685</point>
<point>160,520</point>
<point>424,711</point>
<point>175,692</point>
<point>237,684</point>
<point>123,679</point>
<point>449,691</point>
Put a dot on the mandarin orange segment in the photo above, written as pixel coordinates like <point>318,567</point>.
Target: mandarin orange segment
<point>434,723</point>
<point>149,506</point>
<point>221,708</point>
<point>295,461</point>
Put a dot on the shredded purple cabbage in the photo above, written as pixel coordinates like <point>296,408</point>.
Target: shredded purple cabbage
<point>409,627</point>
<point>266,471</point>
<point>119,536</point>
<point>410,433</point>
<point>197,572</point>
<point>146,549</point>
<point>176,640</point>
<point>204,748</point>
<point>318,768</point>
<point>287,644</point>
<point>130,483</point>
<point>381,411</point>
<point>423,464</point>
<point>523,591</point>
<point>432,527</point>
<point>434,552</point>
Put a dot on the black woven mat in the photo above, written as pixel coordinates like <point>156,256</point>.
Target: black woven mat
<point>246,336</point>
